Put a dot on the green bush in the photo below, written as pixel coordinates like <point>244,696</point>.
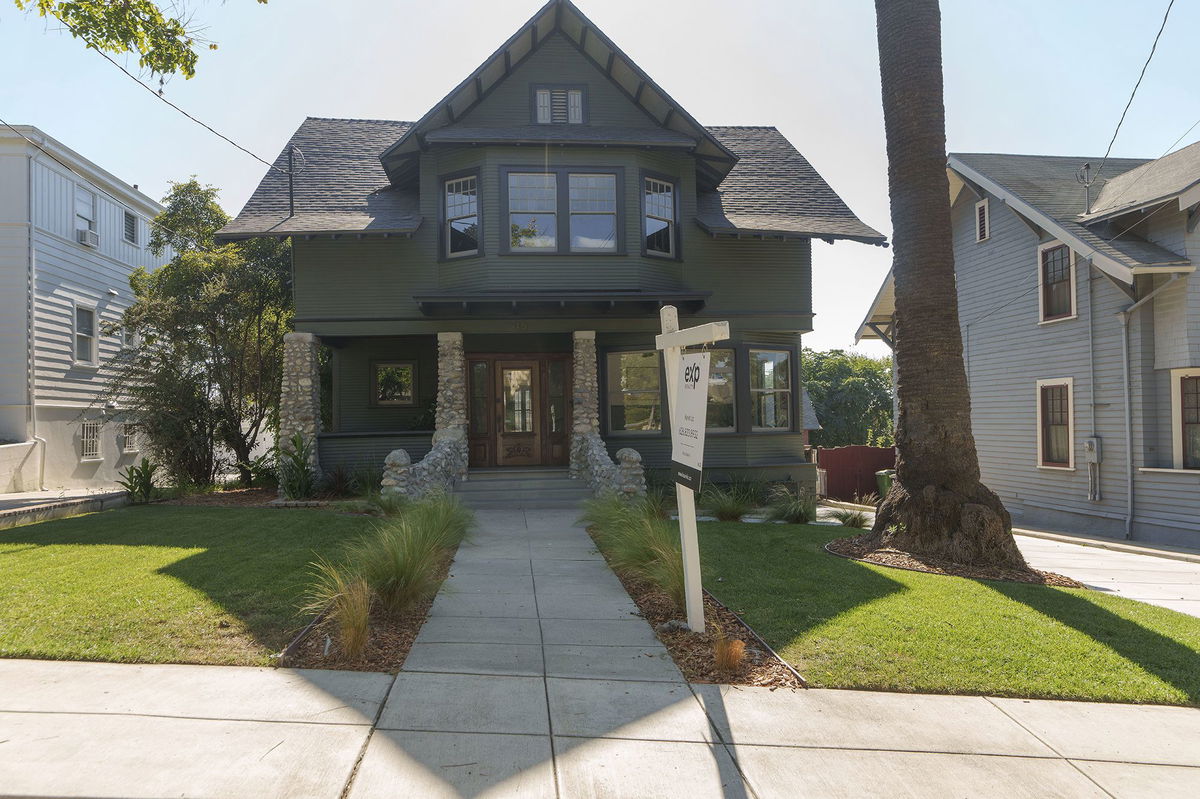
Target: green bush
<point>296,477</point>
<point>138,481</point>
<point>793,508</point>
<point>390,504</point>
<point>338,482</point>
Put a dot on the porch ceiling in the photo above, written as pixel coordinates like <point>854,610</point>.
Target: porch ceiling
<point>558,303</point>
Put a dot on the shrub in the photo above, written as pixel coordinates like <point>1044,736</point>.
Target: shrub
<point>390,504</point>
<point>263,470</point>
<point>752,490</point>
<point>849,518</point>
<point>638,542</point>
<point>296,477</point>
<point>345,597</point>
<point>728,503</point>
<point>659,501</point>
<point>790,507</point>
<point>138,481</point>
<point>728,652</point>
<point>338,482</point>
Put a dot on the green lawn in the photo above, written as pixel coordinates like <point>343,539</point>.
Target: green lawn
<point>161,583</point>
<point>850,625</point>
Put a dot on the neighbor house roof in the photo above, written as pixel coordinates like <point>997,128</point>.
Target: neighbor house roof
<point>1149,184</point>
<point>340,187</point>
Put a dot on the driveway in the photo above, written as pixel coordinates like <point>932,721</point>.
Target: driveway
<point>532,678</point>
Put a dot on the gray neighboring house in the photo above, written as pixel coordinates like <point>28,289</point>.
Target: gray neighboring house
<point>1081,335</point>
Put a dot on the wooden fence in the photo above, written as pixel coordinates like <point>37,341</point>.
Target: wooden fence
<point>850,471</point>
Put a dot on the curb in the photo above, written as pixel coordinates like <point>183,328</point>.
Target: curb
<point>57,509</point>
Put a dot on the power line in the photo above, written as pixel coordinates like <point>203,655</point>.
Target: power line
<point>1132,94</point>
<point>1112,202</point>
<point>99,188</point>
<point>159,95</point>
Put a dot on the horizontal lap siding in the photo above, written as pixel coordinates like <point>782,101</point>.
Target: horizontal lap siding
<point>368,452</point>
<point>354,408</point>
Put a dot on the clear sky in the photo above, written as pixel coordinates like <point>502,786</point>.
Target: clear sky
<point>1023,76</point>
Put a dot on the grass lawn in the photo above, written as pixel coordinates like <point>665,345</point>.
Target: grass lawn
<point>159,583</point>
<point>851,625</point>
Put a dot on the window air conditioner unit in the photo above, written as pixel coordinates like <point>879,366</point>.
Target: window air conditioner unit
<point>88,238</point>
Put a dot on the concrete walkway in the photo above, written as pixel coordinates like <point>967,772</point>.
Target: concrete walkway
<point>533,678</point>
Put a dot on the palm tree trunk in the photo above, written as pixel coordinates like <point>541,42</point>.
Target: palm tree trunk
<point>937,506</point>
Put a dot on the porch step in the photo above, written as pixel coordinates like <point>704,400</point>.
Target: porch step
<point>521,488</point>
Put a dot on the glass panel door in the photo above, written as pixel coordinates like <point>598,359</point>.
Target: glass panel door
<point>519,437</point>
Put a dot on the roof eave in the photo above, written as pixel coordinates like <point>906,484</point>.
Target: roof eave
<point>277,233</point>
<point>878,240</point>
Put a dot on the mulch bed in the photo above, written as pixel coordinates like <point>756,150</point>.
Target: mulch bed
<point>856,549</point>
<point>388,643</point>
<point>234,497</point>
<point>694,654</point>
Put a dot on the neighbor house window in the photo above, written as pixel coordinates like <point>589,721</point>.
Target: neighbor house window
<point>770,389</point>
<point>983,221</point>
<point>532,210</point>
<point>1055,424</point>
<point>85,334</point>
<point>721,391</point>
<point>634,392</point>
<point>129,438</point>
<point>89,441</point>
<point>593,208</point>
<point>659,204</point>
<point>85,209</point>
<point>131,227</point>
<point>1057,281</point>
<point>1189,395</point>
<point>462,217</point>
<point>395,383</point>
<point>558,106</point>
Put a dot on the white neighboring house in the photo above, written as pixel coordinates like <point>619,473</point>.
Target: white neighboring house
<point>69,239</point>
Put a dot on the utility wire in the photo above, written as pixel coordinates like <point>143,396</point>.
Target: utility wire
<point>1142,173</point>
<point>99,188</point>
<point>159,95</point>
<point>1132,94</point>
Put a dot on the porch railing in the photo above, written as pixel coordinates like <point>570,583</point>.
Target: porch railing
<point>590,462</point>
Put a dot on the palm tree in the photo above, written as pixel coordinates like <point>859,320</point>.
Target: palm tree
<point>937,507</point>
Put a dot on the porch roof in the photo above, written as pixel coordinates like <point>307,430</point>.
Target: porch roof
<point>564,302</point>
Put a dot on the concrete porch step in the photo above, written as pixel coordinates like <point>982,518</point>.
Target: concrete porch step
<point>521,488</point>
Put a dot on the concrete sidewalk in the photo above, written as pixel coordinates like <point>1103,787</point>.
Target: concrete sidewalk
<point>533,678</point>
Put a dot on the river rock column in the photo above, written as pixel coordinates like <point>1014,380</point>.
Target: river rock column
<point>300,394</point>
<point>585,396</point>
<point>451,411</point>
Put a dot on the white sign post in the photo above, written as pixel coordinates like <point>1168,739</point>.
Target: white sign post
<point>687,398</point>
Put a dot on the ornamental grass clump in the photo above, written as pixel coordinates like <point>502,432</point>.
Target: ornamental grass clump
<point>345,598</point>
<point>728,653</point>
<point>792,507</point>
<point>638,542</point>
<point>848,517</point>
<point>728,503</point>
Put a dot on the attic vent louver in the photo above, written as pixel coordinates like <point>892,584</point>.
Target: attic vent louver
<point>558,106</point>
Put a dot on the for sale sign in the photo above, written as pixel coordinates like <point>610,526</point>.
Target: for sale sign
<point>691,413</point>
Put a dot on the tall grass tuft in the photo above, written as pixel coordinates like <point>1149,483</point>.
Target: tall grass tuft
<point>791,507</point>
<point>729,653</point>
<point>390,504</point>
<point>346,598</point>
<point>638,542</point>
<point>296,477</point>
<point>848,517</point>
<point>728,503</point>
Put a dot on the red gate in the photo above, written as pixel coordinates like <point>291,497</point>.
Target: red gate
<point>850,471</point>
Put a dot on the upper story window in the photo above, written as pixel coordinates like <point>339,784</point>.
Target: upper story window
<point>85,209</point>
<point>983,221</point>
<point>562,210</point>
<point>558,105</point>
<point>85,334</point>
<point>131,227</point>
<point>1055,424</point>
<point>1056,274</point>
<point>462,217</point>
<point>659,207</point>
<point>770,390</point>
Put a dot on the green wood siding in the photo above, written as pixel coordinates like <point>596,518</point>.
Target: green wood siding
<point>354,407</point>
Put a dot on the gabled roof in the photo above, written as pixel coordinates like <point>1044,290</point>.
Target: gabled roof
<point>1151,183</point>
<point>774,191</point>
<point>338,187</point>
<point>561,16</point>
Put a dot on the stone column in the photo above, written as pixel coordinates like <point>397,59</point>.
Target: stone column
<point>451,411</point>
<point>585,394</point>
<point>300,396</point>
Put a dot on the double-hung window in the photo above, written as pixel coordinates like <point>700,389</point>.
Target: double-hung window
<point>1057,276</point>
<point>85,335</point>
<point>1055,424</point>
<point>462,217</point>
<point>85,209</point>
<point>659,209</point>
<point>722,390</point>
<point>634,392</point>
<point>1189,404</point>
<point>563,210</point>
<point>770,390</point>
<point>555,105</point>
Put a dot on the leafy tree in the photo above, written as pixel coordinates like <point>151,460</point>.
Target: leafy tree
<point>211,324</point>
<point>852,394</point>
<point>165,42</point>
<point>937,506</point>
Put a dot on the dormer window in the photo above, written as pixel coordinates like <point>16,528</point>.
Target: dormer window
<point>558,105</point>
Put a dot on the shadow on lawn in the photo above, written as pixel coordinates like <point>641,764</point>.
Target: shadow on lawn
<point>1175,663</point>
<point>252,563</point>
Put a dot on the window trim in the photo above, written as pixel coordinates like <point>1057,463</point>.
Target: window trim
<point>1041,282</point>
<point>987,221</point>
<point>663,404</point>
<point>126,215</point>
<point>581,87</point>
<point>1177,430</point>
<point>443,239</point>
<point>75,217</point>
<point>562,209</point>
<point>375,401</point>
<point>127,439</point>
<point>1069,383</point>
<point>98,454</point>
<point>95,336</point>
<point>793,366</point>
<point>676,235</point>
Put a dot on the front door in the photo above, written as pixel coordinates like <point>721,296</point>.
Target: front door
<point>518,405</point>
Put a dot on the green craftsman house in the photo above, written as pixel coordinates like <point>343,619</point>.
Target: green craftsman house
<point>488,279</point>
